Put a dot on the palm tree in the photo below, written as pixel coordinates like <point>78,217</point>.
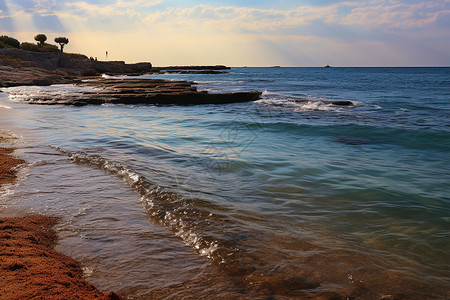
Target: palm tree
<point>62,41</point>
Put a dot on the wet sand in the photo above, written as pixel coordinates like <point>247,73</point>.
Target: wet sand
<point>7,165</point>
<point>30,266</point>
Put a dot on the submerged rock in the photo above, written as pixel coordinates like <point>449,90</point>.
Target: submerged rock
<point>336,102</point>
<point>352,140</point>
<point>342,103</point>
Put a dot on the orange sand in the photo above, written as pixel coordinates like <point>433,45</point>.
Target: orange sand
<point>30,267</point>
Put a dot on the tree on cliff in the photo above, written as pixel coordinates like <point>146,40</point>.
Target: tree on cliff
<point>41,38</point>
<point>62,41</point>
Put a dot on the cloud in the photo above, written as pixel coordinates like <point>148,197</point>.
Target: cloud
<point>238,19</point>
<point>362,14</point>
<point>398,15</point>
<point>137,3</point>
<point>82,8</point>
<point>352,30</point>
<point>392,15</point>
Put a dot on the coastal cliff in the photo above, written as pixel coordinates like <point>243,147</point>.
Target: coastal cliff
<point>18,68</point>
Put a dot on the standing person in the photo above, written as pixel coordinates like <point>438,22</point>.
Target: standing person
<point>106,54</point>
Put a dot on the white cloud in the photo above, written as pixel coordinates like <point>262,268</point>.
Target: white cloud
<point>136,3</point>
<point>83,8</point>
<point>238,19</point>
<point>384,14</point>
<point>388,15</point>
<point>358,31</point>
<point>398,15</point>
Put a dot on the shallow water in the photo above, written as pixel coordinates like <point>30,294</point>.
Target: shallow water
<point>272,198</point>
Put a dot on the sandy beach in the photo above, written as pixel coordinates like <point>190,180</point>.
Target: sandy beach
<point>30,266</point>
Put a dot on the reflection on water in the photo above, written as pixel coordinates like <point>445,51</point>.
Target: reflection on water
<point>105,228</point>
<point>123,247</point>
<point>269,199</point>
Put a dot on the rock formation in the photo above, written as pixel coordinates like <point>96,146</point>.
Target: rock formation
<point>18,67</point>
<point>139,91</point>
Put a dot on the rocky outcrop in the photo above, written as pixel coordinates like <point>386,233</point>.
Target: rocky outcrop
<point>191,72</point>
<point>10,76</point>
<point>115,67</point>
<point>191,68</point>
<point>71,62</point>
<point>18,67</point>
<point>218,69</point>
<point>335,102</point>
<point>140,91</point>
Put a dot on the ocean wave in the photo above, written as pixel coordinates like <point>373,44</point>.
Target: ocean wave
<point>46,94</point>
<point>10,137</point>
<point>304,104</point>
<point>6,190</point>
<point>211,231</point>
<point>183,216</point>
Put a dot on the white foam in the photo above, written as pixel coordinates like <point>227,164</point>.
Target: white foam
<point>297,104</point>
<point>165,207</point>
<point>119,77</point>
<point>8,136</point>
<point>6,190</point>
<point>28,93</point>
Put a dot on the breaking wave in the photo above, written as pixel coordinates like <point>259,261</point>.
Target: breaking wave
<point>304,104</point>
<point>187,218</point>
<point>209,231</point>
<point>46,94</point>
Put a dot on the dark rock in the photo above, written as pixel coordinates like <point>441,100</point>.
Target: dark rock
<point>342,103</point>
<point>337,102</point>
<point>179,68</point>
<point>192,72</point>
<point>41,81</point>
<point>352,140</point>
<point>120,67</point>
<point>291,284</point>
<point>90,72</point>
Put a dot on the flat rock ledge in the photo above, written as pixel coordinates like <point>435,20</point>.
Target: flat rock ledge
<point>141,91</point>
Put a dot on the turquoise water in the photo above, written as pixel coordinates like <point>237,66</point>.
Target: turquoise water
<point>279,197</point>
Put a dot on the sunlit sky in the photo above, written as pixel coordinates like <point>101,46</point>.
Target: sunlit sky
<point>241,33</point>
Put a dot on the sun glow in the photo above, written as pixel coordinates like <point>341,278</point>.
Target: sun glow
<point>346,33</point>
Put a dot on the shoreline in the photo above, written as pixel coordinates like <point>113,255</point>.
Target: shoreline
<point>369,276</point>
<point>24,68</point>
<point>30,265</point>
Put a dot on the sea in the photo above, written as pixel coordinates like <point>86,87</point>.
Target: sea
<point>286,197</point>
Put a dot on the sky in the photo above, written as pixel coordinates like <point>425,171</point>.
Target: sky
<point>298,33</point>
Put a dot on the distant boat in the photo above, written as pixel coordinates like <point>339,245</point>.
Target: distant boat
<point>275,66</point>
<point>327,66</point>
